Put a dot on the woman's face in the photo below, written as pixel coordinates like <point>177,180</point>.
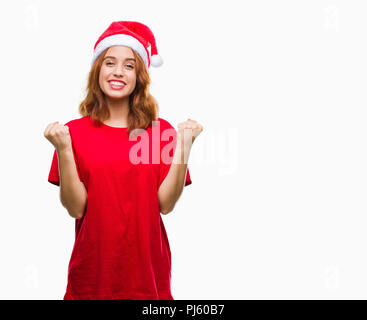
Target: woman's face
<point>118,64</point>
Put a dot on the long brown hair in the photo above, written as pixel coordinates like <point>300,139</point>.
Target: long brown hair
<point>143,108</point>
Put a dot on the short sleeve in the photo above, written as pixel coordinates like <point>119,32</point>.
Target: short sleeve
<point>163,171</point>
<point>188,178</point>
<point>53,176</point>
<point>165,145</point>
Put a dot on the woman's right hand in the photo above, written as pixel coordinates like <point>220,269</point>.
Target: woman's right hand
<point>59,136</point>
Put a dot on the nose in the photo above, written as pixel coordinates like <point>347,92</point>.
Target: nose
<point>118,71</point>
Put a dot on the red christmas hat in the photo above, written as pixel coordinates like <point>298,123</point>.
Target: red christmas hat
<point>134,35</point>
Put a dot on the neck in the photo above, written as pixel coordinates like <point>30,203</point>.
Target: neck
<point>119,111</point>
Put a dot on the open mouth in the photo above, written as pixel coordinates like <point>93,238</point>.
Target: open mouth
<point>115,85</point>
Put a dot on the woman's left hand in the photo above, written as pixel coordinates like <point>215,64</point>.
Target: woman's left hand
<point>188,131</point>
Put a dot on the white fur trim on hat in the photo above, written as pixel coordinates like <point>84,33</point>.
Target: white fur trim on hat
<point>121,40</point>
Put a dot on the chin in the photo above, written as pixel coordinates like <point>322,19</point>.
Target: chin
<point>115,96</point>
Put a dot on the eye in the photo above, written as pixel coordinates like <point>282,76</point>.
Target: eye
<point>129,65</point>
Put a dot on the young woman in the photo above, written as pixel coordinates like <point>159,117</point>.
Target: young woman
<point>119,167</point>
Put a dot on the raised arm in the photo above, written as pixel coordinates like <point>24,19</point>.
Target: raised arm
<point>73,194</point>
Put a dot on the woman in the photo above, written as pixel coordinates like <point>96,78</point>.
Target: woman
<point>118,167</point>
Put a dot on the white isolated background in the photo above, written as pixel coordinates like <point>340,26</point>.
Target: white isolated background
<point>277,208</point>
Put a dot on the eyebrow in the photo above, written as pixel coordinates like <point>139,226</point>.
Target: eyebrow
<point>111,57</point>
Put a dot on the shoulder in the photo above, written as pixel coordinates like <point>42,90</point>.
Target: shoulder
<point>77,123</point>
<point>164,124</point>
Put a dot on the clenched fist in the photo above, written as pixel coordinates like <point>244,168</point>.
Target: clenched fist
<point>59,136</point>
<point>188,131</point>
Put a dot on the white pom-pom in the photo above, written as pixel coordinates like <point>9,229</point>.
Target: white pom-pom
<point>156,60</point>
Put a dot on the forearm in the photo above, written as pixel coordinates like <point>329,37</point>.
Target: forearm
<point>172,186</point>
<point>73,194</point>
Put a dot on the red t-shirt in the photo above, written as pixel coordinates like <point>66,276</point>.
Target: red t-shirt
<point>121,249</point>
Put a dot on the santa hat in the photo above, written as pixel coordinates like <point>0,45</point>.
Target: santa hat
<point>134,35</point>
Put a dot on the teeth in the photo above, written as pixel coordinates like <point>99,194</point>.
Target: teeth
<point>116,83</point>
